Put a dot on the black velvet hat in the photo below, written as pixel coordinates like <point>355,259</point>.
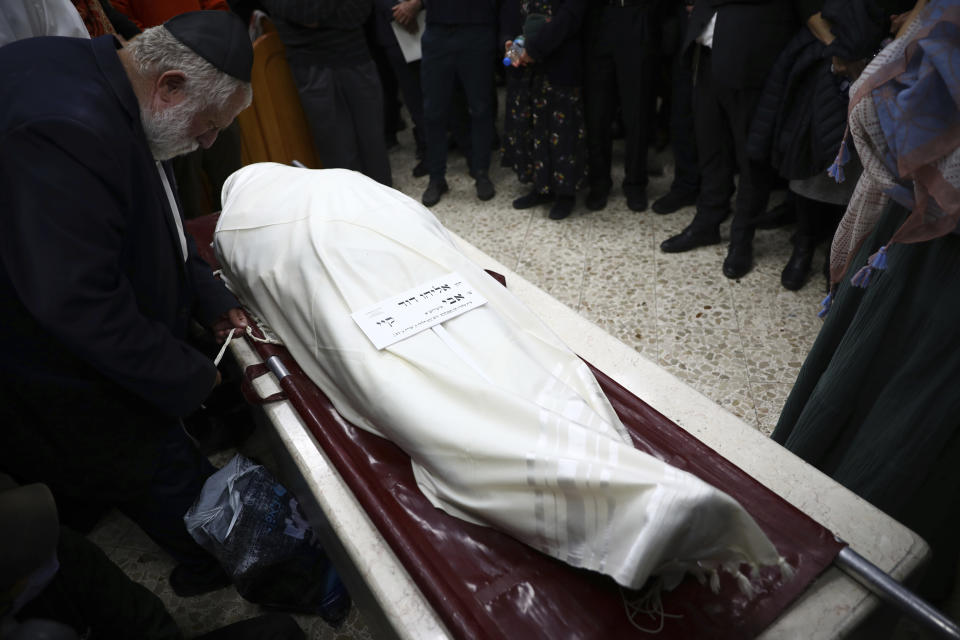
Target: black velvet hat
<point>219,37</point>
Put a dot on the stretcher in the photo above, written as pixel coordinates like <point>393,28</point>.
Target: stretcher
<point>421,573</point>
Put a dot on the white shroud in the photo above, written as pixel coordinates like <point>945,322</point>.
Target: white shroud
<point>504,425</point>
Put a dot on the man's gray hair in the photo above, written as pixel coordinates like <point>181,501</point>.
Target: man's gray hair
<point>156,51</point>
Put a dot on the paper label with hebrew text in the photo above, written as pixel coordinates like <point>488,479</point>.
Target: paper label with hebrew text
<point>417,309</point>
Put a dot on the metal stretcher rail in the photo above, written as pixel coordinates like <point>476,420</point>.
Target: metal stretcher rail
<point>891,591</point>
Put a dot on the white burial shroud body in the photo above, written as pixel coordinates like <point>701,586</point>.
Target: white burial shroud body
<point>504,425</point>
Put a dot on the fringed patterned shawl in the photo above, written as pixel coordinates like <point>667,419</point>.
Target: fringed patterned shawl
<point>905,120</point>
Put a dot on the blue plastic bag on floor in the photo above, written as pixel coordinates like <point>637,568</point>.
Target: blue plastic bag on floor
<point>254,527</point>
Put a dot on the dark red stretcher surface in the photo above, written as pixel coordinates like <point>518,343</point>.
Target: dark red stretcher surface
<point>484,584</point>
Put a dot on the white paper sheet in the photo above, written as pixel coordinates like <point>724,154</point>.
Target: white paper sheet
<point>410,42</point>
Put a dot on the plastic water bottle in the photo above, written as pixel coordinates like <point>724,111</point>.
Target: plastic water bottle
<point>514,52</point>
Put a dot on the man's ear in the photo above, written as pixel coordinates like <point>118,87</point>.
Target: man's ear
<point>169,89</point>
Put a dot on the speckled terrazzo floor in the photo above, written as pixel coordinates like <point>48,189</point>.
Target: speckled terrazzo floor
<point>740,342</point>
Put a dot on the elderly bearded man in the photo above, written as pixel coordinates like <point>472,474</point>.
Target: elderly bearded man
<point>98,282</point>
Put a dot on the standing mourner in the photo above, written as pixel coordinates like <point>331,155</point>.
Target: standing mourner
<point>544,128</point>
<point>621,40</point>
<point>407,74</point>
<point>686,174</point>
<point>98,282</point>
<point>337,80</point>
<point>729,73</point>
<point>875,404</point>
<point>459,44</point>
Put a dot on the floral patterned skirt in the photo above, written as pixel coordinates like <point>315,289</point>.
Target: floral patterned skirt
<point>544,139</point>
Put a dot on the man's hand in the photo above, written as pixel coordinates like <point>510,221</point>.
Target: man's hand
<point>897,21</point>
<point>849,68</point>
<point>405,13</point>
<point>233,319</point>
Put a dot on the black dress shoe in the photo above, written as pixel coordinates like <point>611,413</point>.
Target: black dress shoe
<point>794,274</point>
<point>637,200</point>
<point>739,260</point>
<point>596,199</point>
<point>434,191</point>
<point>485,189</point>
<point>532,199</point>
<point>690,239</point>
<point>562,208</point>
<point>420,170</point>
<point>674,200</point>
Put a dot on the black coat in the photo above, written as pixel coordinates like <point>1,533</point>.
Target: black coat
<point>747,38</point>
<point>94,290</point>
<point>802,114</point>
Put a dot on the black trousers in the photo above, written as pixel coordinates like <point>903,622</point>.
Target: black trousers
<point>686,172</point>
<point>722,116</point>
<point>408,79</point>
<point>817,221</point>
<point>344,106</point>
<point>91,592</point>
<point>96,447</point>
<point>452,53</point>
<point>620,46</point>
<point>177,480</point>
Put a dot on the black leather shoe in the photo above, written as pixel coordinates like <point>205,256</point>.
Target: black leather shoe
<point>674,200</point>
<point>596,199</point>
<point>485,189</point>
<point>690,239</point>
<point>794,274</point>
<point>434,191</point>
<point>532,199</point>
<point>637,200</point>
<point>739,260</point>
<point>420,170</point>
<point>562,208</point>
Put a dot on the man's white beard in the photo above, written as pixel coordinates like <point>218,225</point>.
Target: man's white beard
<point>167,131</point>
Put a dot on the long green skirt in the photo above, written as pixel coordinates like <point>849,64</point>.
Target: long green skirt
<point>876,405</point>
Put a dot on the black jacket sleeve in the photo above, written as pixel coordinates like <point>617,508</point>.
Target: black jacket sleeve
<point>212,297</point>
<point>62,250</point>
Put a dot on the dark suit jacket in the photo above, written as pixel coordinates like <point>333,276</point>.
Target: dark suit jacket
<point>94,291</point>
<point>747,38</point>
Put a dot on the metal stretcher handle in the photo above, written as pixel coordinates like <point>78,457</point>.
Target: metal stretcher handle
<point>888,589</point>
<point>251,373</point>
<point>277,367</point>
